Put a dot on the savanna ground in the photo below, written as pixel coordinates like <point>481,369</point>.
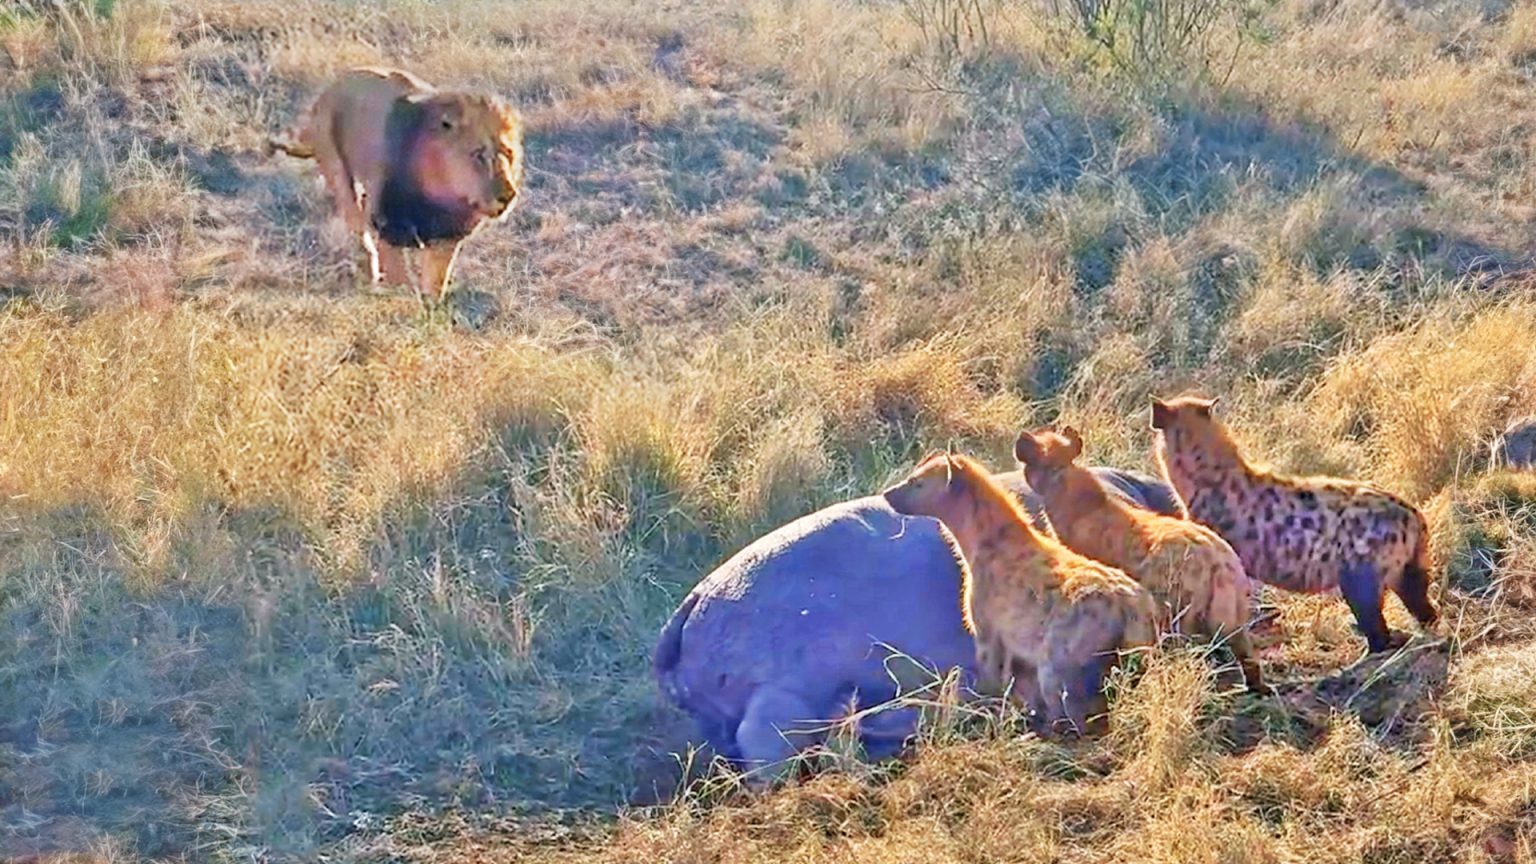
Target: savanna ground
<point>291,569</point>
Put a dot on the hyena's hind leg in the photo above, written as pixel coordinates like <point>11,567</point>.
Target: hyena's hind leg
<point>1361,584</point>
<point>1413,590</point>
<point>1248,661</point>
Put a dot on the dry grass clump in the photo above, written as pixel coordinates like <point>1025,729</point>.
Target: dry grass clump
<point>1420,404</point>
<point>1162,787</point>
<point>1292,319</point>
<point>183,408</point>
<point>1491,697</point>
<point>92,43</point>
<point>1485,538</point>
<point>869,76</point>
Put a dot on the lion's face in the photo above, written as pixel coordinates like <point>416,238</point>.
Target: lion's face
<point>469,153</point>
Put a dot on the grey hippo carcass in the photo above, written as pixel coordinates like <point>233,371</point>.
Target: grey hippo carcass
<point>1515,448</point>
<point>826,611</point>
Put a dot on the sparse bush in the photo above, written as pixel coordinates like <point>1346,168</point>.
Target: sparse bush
<point>1158,39</point>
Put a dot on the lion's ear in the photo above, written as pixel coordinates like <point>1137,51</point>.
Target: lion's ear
<point>437,111</point>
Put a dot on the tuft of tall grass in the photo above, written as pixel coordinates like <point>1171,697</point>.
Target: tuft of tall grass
<point>1420,403</point>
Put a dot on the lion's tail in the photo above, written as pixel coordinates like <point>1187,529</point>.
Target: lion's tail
<point>290,144</point>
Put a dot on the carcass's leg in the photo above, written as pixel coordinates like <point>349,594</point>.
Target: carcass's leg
<point>777,725</point>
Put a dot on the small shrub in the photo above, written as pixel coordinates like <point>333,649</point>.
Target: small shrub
<point>1155,40</point>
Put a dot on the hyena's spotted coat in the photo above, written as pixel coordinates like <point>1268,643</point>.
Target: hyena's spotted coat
<point>1043,615</point>
<point>1298,533</point>
<point>1191,571</point>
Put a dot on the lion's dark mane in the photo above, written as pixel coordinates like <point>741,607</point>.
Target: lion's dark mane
<point>405,216</point>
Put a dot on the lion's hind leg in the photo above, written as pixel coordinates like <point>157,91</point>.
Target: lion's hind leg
<point>346,199</point>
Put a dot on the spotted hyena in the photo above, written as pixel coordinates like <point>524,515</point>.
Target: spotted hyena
<point>1048,618</point>
<point>1309,534</point>
<point>1186,566</point>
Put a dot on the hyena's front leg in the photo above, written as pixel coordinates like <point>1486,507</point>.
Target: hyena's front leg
<point>436,261</point>
<point>990,674</point>
<point>1248,662</point>
<point>1053,693</point>
<point>1083,695</point>
<point>376,255</point>
<point>1026,686</point>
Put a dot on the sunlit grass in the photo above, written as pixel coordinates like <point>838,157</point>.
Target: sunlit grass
<point>383,580</point>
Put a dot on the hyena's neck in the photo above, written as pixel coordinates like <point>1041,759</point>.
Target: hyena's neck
<point>1193,467</point>
<point>1076,503</point>
<point>988,520</point>
<point>1104,532</point>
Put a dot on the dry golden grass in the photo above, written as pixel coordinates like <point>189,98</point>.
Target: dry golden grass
<point>1419,405</point>
<point>291,569</point>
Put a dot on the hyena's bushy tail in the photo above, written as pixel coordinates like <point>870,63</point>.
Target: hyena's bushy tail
<point>1414,589</point>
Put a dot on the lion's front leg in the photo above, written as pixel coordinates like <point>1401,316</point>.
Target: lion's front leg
<point>392,265</point>
<point>436,268</point>
<point>375,252</point>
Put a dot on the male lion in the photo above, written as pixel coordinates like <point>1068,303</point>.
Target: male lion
<point>411,167</point>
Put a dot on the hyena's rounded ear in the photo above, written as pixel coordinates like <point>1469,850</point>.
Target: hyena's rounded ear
<point>1074,441</point>
<point>1162,415</point>
<point>1026,448</point>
